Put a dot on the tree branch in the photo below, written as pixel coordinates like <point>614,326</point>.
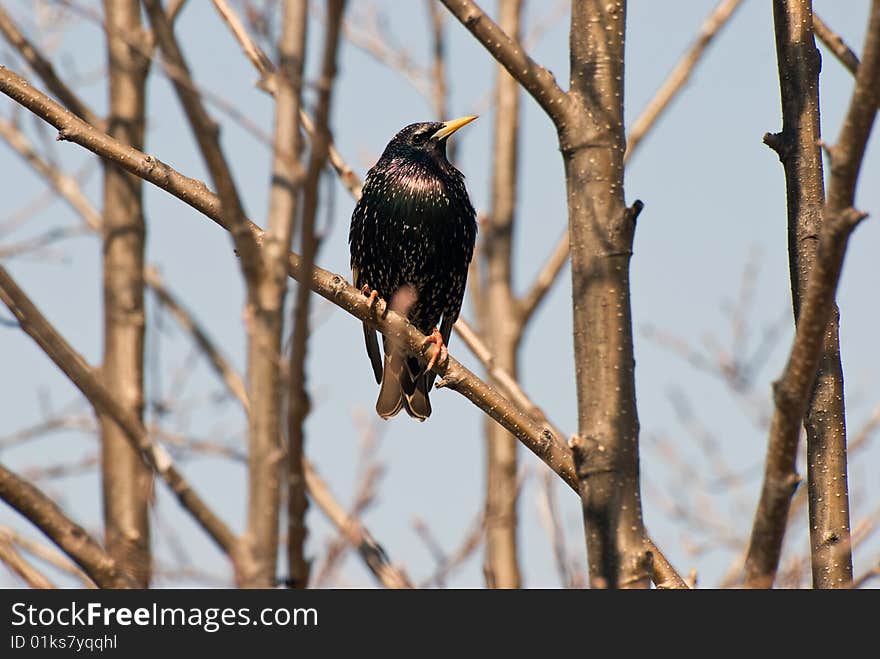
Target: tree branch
<point>331,286</point>
<point>792,391</point>
<point>846,156</point>
<point>371,551</point>
<point>601,229</point>
<point>19,566</point>
<point>49,555</point>
<point>176,307</point>
<point>43,68</point>
<point>664,575</point>
<point>548,276</point>
<point>835,43</point>
<point>269,84</point>
<point>41,511</point>
<point>63,184</point>
<point>680,74</point>
<point>644,123</point>
<point>535,79</point>
<point>328,505</point>
<point>439,86</point>
<point>791,394</point>
<point>298,403</point>
<point>825,421</point>
<point>83,376</point>
<point>207,135</point>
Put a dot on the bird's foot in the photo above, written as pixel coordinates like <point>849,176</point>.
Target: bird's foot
<point>441,354</point>
<point>372,296</point>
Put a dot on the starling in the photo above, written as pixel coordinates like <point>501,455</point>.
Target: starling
<point>412,237</point>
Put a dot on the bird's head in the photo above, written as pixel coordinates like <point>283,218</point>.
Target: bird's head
<point>424,140</point>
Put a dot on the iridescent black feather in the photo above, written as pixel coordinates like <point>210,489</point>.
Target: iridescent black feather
<point>412,237</point>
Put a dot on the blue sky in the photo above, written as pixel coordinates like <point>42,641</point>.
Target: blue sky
<point>715,201</point>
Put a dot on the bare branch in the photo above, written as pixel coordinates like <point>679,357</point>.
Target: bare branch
<point>680,75</point>
<point>176,307</point>
<point>550,516</point>
<point>664,574</point>
<point>548,275</point>
<point>268,83</point>
<point>372,553</point>
<point>870,574</point>
<point>174,9</point>
<point>792,391</point>
<point>257,57</point>
<point>601,230</point>
<point>365,32</point>
<point>43,68</point>
<point>19,566</point>
<point>439,86</point>
<point>41,511</point>
<point>330,286</point>
<point>791,395</point>
<point>298,401</point>
<point>671,87</point>
<point>502,377</point>
<point>83,376</point>
<point>449,562</point>
<point>836,44</point>
<point>48,555</point>
<point>798,149</point>
<point>534,78</point>
<point>346,174</point>
<point>846,155</point>
<point>206,132</point>
<point>367,476</point>
<point>63,184</point>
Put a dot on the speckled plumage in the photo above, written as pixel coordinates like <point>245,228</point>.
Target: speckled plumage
<point>413,231</point>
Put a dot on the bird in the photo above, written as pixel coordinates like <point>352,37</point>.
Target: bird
<point>411,240</point>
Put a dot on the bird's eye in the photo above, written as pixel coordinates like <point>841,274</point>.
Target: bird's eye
<point>421,137</point>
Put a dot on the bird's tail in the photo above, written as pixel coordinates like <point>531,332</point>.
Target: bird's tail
<point>404,386</point>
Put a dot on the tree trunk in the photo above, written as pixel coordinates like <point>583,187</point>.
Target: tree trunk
<point>501,323</point>
<point>601,234</point>
<point>126,479</point>
<point>825,421</point>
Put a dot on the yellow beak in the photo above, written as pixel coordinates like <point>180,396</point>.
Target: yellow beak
<point>449,127</point>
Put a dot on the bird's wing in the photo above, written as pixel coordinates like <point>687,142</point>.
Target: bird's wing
<point>446,327</point>
<point>373,351</point>
<point>370,337</point>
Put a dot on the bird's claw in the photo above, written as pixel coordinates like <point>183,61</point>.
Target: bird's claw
<point>372,296</point>
<point>441,354</point>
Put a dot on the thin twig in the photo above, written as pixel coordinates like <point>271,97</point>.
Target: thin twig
<point>43,68</point>
<point>448,562</point>
<point>49,555</point>
<point>836,44</point>
<point>19,566</point>
<point>373,553</point>
<point>680,74</point>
